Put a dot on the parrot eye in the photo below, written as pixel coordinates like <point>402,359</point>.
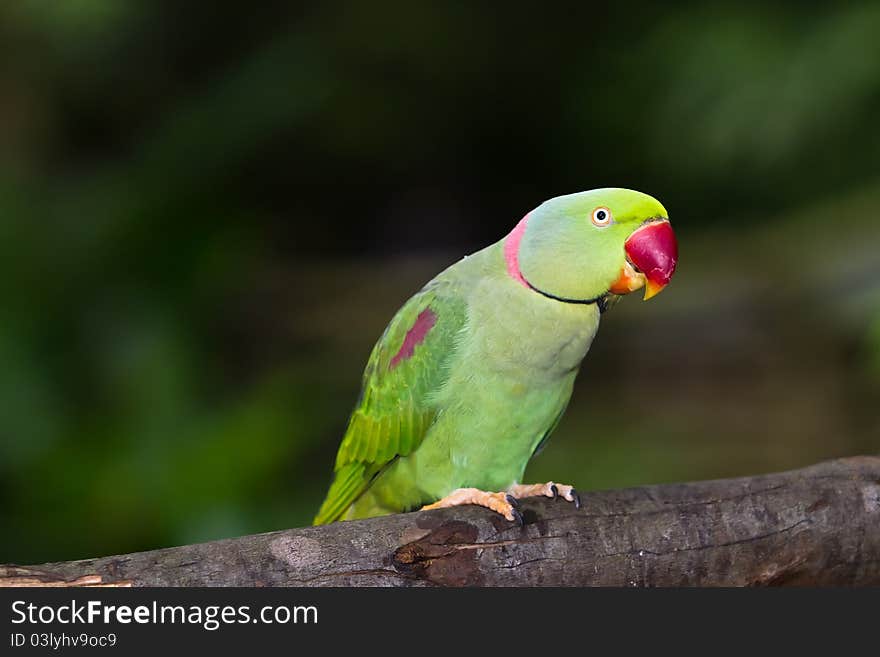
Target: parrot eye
<point>601,216</point>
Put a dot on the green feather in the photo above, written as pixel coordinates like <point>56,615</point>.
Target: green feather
<point>395,410</point>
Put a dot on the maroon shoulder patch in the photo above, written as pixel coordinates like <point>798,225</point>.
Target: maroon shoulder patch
<point>415,336</point>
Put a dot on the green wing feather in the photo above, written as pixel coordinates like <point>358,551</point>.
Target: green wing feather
<point>395,411</point>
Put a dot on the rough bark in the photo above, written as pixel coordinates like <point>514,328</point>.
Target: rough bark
<point>815,526</point>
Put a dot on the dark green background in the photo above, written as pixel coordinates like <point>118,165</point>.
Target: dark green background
<point>209,211</point>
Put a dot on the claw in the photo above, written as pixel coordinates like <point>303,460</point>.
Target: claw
<point>550,489</point>
<point>504,503</point>
<point>517,516</point>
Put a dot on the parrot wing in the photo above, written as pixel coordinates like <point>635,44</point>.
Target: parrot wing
<point>408,364</point>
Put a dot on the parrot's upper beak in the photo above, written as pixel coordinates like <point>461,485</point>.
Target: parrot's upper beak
<point>651,253</point>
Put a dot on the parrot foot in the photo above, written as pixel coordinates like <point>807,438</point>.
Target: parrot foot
<point>550,489</point>
<point>503,503</point>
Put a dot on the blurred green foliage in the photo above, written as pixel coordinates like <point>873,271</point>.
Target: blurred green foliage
<point>208,213</point>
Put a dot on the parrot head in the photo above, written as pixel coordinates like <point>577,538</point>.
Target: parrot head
<point>581,247</point>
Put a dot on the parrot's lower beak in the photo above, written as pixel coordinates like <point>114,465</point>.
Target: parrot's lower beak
<point>651,254</point>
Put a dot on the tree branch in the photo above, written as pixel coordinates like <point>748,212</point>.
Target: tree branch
<point>815,526</point>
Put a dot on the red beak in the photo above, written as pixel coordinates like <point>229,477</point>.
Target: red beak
<point>653,251</point>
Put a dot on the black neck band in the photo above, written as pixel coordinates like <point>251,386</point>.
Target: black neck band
<point>601,300</point>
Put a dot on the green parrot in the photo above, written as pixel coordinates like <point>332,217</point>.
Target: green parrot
<point>475,371</point>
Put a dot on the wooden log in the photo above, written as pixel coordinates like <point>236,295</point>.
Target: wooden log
<point>815,526</point>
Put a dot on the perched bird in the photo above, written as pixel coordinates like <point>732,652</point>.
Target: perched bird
<point>475,371</point>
